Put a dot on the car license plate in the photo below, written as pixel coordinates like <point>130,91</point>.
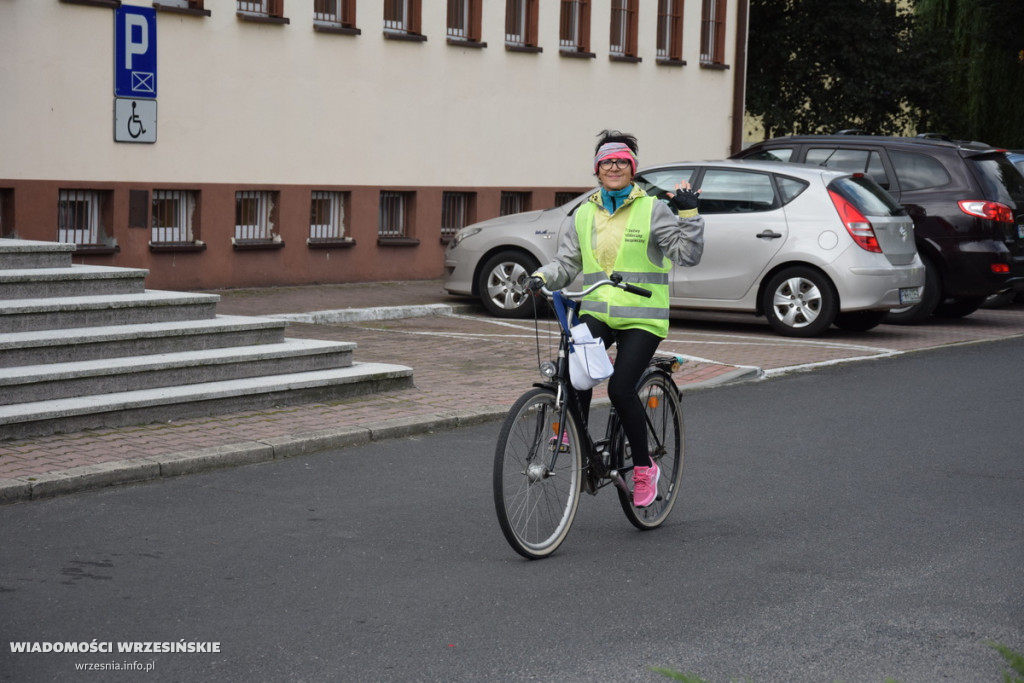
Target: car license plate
<point>910,295</point>
<point>1020,230</point>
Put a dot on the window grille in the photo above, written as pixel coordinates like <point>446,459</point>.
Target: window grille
<point>570,29</point>
<point>392,221</point>
<point>396,16</point>
<point>455,212</point>
<point>335,12</point>
<point>78,217</point>
<point>173,211</point>
<point>514,202</point>
<point>564,197</point>
<point>712,35</point>
<point>458,19</point>
<point>253,212</point>
<point>670,30</point>
<point>623,39</point>
<point>268,8</point>
<point>515,23</point>
<point>327,216</point>
<point>183,4</point>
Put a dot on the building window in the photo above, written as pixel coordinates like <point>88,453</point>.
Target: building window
<point>712,33</point>
<point>81,218</point>
<point>173,217</point>
<point>271,11</point>
<point>670,32</point>
<point>337,16</point>
<point>565,197</point>
<point>327,217</point>
<point>521,25</point>
<point>402,19</point>
<point>394,218</point>
<point>6,213</point>
<point>514,202</point>
<point>624,29</point>
<point>457,209</point>
<point>574,27</point>
<point>182,6</point>
<point>464,22</point>
<point>255,217</point>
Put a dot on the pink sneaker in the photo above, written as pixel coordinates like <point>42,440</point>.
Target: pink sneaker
<point>645,485</point>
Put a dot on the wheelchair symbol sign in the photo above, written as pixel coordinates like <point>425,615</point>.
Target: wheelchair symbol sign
<point>134,120</point>
<point>135,52</point>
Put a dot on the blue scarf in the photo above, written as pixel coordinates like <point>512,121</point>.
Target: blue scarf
<point>613,199</point>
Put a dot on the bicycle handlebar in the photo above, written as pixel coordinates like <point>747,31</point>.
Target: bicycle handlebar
<point>614,281</point>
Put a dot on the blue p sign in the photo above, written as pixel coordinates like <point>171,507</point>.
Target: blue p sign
<point>135,52</point>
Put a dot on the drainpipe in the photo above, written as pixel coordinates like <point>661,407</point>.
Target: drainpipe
<point>739,85</point>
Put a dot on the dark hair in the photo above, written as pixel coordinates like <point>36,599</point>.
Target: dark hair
<point>617,136</point>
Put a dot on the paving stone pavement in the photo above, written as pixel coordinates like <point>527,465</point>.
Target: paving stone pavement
<point>467,368</point>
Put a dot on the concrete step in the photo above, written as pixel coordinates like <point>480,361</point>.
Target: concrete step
<point>24,420</point>
<point>111,375</point>
<point>40,347</point>
<point>17,254</point>
<point>23,315</point>
<point>75,280</point>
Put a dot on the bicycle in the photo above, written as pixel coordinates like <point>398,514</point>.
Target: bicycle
<point>545,456</point>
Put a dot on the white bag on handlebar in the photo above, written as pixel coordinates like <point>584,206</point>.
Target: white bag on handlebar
<point>589,364</point>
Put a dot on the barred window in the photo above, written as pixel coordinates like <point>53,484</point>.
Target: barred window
<point>565,197</point>
<point>456,212</point>
<point>79,217</point>
<point>402,17</point>
<point>257,10</point>
<point>173,213</point>
<point>194,5</point>
<point>712,33</point>
<point>6,213</point>
<point>514,202</point>
<point>521,24</point>
<point>624,29</point>
<point>334,14</point>
<point>670,31</point>
<point>574,26</point>
<point>464,21</point>
<point>327,215</point>
<point>394,213</point>
<point>254,216</point>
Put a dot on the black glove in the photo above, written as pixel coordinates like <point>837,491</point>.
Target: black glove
<point>683,200</point>
<point>534,283</point>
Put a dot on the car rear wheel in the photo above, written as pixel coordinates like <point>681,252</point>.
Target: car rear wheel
<point>800,302</point>
<point>931,297</point>
<point>859,321</point>
<point>502,284</point>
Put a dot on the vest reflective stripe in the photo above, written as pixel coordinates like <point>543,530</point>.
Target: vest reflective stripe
<point>631,278</point>
<point>615,307</point>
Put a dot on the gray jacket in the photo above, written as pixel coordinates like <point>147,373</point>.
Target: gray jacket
<point>679,239</point>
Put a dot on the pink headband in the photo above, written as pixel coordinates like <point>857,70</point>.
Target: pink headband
<point>614,150</point>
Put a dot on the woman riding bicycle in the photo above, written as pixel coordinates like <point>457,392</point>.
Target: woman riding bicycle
<point>621,229</point>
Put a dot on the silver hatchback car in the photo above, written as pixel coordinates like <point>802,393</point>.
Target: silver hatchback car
<point>806,247</point>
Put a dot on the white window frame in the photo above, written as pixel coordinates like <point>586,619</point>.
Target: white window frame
<point>334,228</point>
<point>85,219</point>
<point>181,232</point>
<point>263,229</point>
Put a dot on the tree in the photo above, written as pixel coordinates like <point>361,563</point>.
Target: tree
<point>981,48</point>
<point>818,66</point>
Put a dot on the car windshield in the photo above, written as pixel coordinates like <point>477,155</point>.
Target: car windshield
<point>865,194</point>
<point>1001,180</point>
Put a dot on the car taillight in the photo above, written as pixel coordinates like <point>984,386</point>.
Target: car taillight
<point>856,223</point>
<point>993,211</point>
<point>1000,269</point>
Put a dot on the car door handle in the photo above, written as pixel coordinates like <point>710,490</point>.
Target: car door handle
<point>769,235</point>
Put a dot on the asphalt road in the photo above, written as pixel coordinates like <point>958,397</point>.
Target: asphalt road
<point>847,524</point>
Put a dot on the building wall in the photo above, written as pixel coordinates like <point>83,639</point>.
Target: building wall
<point>244,106</point>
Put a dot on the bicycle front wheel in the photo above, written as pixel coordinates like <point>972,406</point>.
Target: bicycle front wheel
<point>537,475</point>
<point>660,399</point>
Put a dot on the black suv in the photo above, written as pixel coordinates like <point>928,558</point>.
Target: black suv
<point>966,200</point>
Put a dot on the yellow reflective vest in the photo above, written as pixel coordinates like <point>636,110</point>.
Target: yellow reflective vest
<point>617,308</point>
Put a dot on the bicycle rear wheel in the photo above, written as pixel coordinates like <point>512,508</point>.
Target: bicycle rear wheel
<point>536,475</point>
<point>660,398</point>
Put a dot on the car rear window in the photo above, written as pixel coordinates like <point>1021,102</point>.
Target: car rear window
<point>776,154</point>
<point>1000,179</point>
<point>865,194</point>
<point>849,160</point>
<point>918,171</point>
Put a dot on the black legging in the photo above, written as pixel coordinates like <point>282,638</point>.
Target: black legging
<point>636,348</point>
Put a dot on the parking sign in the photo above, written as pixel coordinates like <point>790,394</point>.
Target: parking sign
<point>135,52</point>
